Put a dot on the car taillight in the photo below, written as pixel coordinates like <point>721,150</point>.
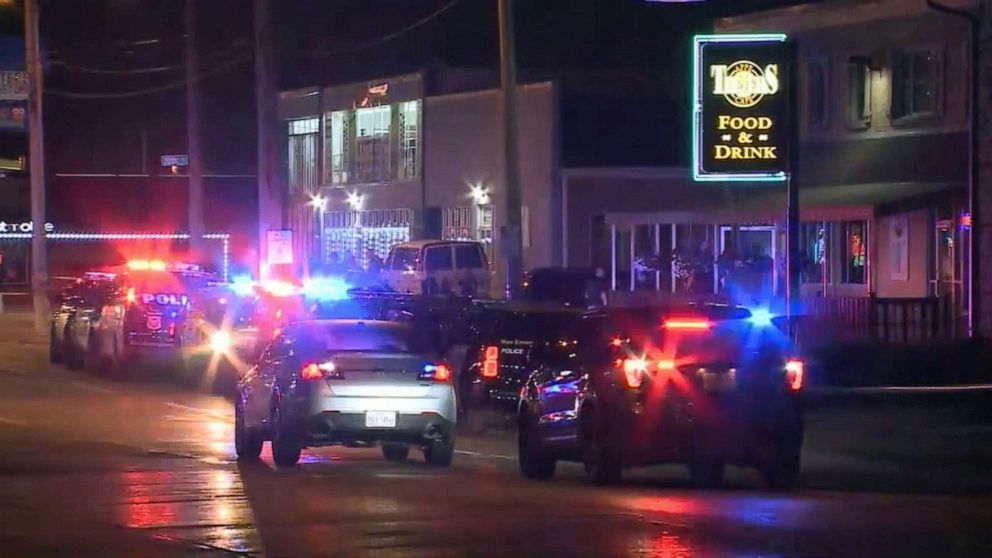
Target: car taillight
<point>438,372</point>
<point>490,361</point>
<point>691,324</point>
<point>794,372</point>
<point>316,371</point>
<point>633,371</point>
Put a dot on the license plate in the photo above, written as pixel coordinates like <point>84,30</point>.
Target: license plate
<point>380,419</point>
<point>719,381</point>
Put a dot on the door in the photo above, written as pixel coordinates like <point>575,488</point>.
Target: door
<point>947,279</point>
<point>748,266</point>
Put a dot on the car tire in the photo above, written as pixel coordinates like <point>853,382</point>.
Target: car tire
<point>394,452</point>
<point>54,348</point>
<point>781,470</point>
<point>706,473</point>
<point>535,462</point>
<point>247,442</point>
<point>440,453</point>
<point>286,443</point>
<point>599,458</point>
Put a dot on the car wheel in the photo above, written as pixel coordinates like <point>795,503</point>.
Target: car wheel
<point>535,462</point>
<point>247,442</point>
<point>286,444</point>
<point>395,453</point>
<point>781,470</point>
<point>706,473</point>
<point>439,453</point>
<point>599,458</point>
<point>54,348</point>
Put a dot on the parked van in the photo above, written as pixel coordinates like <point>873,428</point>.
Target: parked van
<point>438,266</point>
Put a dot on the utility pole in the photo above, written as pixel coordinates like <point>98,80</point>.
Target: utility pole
<point>512,241</point>
<point>269,200</point>
<point>195,168</point>
<point>36,154</point>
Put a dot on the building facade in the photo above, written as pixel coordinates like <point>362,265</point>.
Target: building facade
<point>372,164</point>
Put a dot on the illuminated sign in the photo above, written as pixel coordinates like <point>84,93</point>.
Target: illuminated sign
<point>27,227</point>
<point>740,108</point>
<point>165,299</point>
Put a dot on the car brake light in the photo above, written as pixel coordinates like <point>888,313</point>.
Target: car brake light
<point>438,372</point>
<point>633,371</point>
<point>311,371</point>
<point>666,365</point>
<point>490,361</point>
<point>687,324</point>
<point>794,371</point>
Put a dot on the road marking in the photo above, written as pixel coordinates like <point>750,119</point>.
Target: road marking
<point>15,422</point>
<point>485,455</point>
<point>212,412</point>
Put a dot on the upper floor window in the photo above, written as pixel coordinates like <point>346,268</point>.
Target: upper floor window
<point>817,97</point>
<point>409,140</point>
<point>372,153</point>
<point>858,93</point>
<point>915,83</point>
<point>372,144</point>
<point>336,147</point>
<point>302,153</point>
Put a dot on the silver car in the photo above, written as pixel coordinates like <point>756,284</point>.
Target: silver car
<point>347,382</point>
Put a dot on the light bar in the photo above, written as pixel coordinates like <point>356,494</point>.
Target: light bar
<point>687,323</point>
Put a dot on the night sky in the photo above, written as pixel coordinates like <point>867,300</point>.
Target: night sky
<point>319,42</point>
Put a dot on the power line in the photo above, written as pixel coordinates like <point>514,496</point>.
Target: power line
<point>386,38</point>
<point>136,71</point>
<point>149,90</point>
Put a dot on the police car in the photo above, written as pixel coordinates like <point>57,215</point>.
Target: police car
<point>704,385</point>
<point>154,313</point>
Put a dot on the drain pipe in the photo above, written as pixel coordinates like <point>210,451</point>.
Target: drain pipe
<point>976,224</point>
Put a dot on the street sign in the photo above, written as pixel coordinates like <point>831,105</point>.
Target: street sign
<point>181,160</point>
<point>280,246</point>
<point>740,108</point>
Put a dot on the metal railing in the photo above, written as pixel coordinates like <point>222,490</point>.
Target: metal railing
<point>886,320</point>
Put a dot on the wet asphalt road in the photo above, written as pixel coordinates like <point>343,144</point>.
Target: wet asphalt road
<point>90,467</point>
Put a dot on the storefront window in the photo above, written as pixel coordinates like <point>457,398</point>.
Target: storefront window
<point>693,259</point>
<point>621,258</point>
<point>13,263</point>
<point>647,261</point>
<point>303,138</point>
<point>855,252</point>
<point>813,239</point>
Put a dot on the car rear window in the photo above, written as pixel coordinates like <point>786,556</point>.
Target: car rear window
<point>403,259</point>
<point>437,258</point>
<point>469,256</point>
<point>363,337</point>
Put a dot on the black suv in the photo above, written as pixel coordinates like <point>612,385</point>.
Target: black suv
<point>701,385</point>
<point>507,343</point>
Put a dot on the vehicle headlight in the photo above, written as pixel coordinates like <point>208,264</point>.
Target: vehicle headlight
<point>220,341</point>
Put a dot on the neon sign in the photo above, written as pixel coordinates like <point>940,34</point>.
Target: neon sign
<point>740,108</point>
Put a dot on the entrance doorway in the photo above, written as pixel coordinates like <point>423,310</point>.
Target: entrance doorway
<point>749,262</point>
<point>946,280</point>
